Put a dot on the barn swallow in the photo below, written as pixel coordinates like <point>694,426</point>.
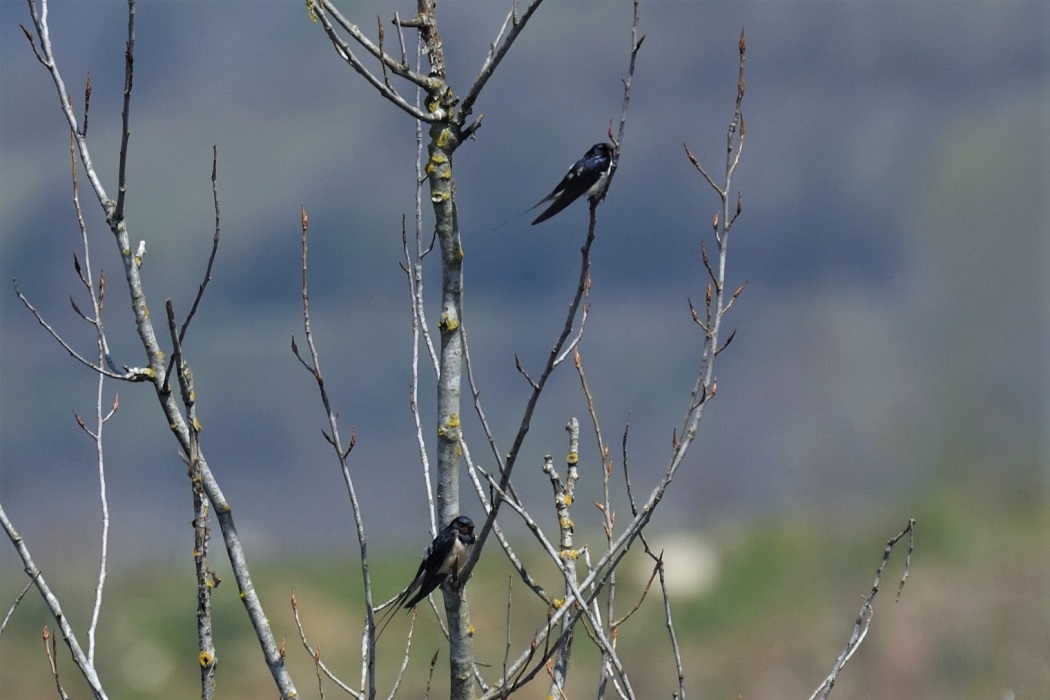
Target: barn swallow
<point>447,554</point>
<point>586,177</point>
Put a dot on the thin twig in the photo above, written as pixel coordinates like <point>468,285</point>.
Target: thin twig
<point>343,50</point>
<point>508,551</point>
<point>636,45</point>
<point>497,51</point>
<point>506,647</point>
<point>50,648</point>
<point>211,257</point>
<point>214,244</point>
<point>382,51</point>
<point>125,115</point>
<point>97,298</point>
<point>696,164</point>
<point>86,668</point>
<point>131,374</point>
<point>413,267</point>
<point>676,651</point>
<point>506,466</point>
<point>14,606</point>
<point>315,653</point>
<point>867,610</point>
<point>404,658</point>
<point>335,440</point>
<point>430,674</point>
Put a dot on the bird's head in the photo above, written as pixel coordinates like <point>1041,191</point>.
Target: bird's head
<point>464,525</point>
<point>601,149</point>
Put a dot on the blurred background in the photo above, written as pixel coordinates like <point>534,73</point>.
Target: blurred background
<point>890,358</point>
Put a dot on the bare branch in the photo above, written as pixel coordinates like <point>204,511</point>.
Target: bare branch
<point>641,599</point>
<point>335,440</point>
<point>214,244</point>
<point>486,504</point>
<point>506,648</point>
<point>14,606</point>
<point>574,343</point>
<point>32,42</point>
<point>524,373</point>
<point>733,298</point>
<point>636,45</point>
<point>382,51</point>
<point>182,429</point>
<point>564,496</point>
<point>404,51</point>
<point>507,466</point>
<point>44,55</point>
<point>125,115</point>
<point>87,669</point>
<point>405,657</point>
<point>726,344</point>
<point>97,298</point>
<point>696,164</point>
<point>342,48</point>
<point>430,674</point>
<point>867,611</point>
<point>315,653</point>
<point>573,588</point>
<point>497,50</point>
<point>211,261</point>
<point>131,374</point>
<point>87,105</point>
<point>413,267</point>
<point>50,647</point>
<point>676,651</point>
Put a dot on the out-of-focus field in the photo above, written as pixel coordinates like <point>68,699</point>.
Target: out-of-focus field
<point>781,598</point>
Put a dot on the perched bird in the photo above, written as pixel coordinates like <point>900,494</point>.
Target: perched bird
<point>587,176</point>
<point>447,554</point>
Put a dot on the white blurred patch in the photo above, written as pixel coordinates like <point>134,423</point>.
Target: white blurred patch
<point>692,565</point>
<point>147,667</point>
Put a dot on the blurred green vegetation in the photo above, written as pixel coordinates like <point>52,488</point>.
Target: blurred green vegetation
<point>972,621</point>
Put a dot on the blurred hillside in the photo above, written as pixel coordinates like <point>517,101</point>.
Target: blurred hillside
<point>970,624</point>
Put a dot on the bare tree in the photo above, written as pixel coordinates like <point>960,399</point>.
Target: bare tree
<point>586,597</point>
<point>178,408</point>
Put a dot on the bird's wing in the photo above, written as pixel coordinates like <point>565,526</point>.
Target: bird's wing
<point>433,569</point>
<point>580,178</point>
